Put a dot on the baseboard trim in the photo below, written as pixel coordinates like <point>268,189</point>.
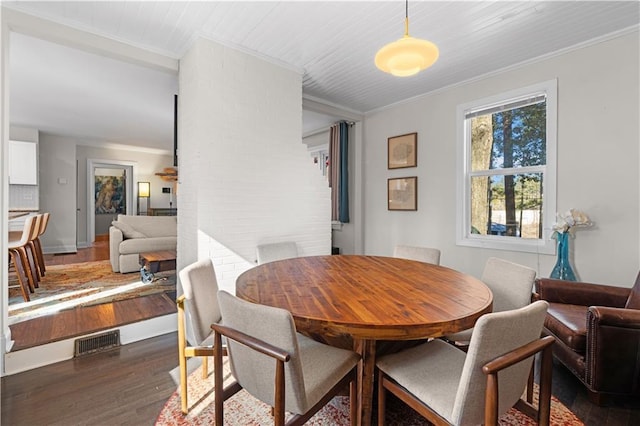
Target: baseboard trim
<point>60,249</point>
<point>39,356</point>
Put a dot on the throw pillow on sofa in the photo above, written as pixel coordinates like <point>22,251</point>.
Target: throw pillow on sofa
<point>127,230</point>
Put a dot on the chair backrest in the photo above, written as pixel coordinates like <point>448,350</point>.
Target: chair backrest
<point>254,371</point>
<point>633,302</point>
<point>35,229</point>
<point>44,223</point>
<point>510,283</point>
<point>495,334</point>
<point>27,230</point>
<point>200,289</point>
<point>276,251</point>
<point>421,254</point>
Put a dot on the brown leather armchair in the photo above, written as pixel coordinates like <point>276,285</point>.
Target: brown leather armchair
<point>597,331</point>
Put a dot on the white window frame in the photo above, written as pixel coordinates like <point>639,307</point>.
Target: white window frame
<point>464,237</point>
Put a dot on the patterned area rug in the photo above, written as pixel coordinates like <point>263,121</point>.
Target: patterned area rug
<point>243,409</point>
<point>82,284</point>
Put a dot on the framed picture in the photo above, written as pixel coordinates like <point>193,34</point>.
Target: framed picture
<point>109,193</point>
<point>402,193</point>
<point>402,151</point>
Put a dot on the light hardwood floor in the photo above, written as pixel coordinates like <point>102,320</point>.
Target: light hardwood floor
<point>83,320</point>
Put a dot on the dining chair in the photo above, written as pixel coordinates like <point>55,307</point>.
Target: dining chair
<point>512,288</point>
<point>275,364</point>
<point>38,245</point>
<point>450,387</point>
<point>200,298</point>
<point>21,252</point>
<point>31,250</point>
<point>18,241</point>
<point>421,254</point>
<point>276,251</point>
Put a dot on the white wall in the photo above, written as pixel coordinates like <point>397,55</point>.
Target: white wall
<point>59,158</point>
<point>245,177</point>
<point>598,151</point>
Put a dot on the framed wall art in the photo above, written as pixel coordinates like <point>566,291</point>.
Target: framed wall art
<point>109,193</point>
<point>402,193</point>
<point>402,151</point>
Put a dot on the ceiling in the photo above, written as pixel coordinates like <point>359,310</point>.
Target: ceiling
<point>332,44</point>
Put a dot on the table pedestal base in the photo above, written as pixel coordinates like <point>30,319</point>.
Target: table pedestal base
<point>366,371</point>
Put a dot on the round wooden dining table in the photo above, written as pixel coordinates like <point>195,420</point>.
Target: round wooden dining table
<point>360,300</point>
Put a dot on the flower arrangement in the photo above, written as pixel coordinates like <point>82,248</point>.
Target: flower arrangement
<point>570,221</point>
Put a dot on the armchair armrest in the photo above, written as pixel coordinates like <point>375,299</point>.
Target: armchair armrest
<point>613,345</point>
<point>581,293</point>
<point>493,367</point>
<point>599,316</point>
<point>252,342</point>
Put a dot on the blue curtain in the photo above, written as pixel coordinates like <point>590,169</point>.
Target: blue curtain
<point>343,204</point>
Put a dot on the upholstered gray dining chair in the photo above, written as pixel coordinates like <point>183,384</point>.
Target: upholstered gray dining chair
<point>276,251</point>
<point>270,360</point>
<point>512,288</point>
<point>421,254</point>
<point>449,386</point>
<point>200,295</point>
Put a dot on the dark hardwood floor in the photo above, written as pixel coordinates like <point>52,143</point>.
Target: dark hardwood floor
<point>129,385</point>
<point>84,320</point>
<point>123,386</point>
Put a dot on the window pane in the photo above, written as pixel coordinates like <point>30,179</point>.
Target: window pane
<point>510,138</point>
<point>509,205</point>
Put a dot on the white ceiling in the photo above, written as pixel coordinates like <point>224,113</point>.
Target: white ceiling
<point>331,43</point>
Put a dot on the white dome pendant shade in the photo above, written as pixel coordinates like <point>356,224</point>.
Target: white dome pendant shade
<point>407,56</point>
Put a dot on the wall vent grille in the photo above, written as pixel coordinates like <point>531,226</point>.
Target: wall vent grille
<point>99,342</point>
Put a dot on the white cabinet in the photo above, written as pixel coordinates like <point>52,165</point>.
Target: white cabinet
<point>23,163</point>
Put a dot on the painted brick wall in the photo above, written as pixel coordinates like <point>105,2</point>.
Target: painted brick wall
<point>245,176</point>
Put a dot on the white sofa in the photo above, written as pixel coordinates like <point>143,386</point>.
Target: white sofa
<point>131,235</point>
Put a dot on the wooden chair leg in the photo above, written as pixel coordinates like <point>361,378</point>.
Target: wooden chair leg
<point>33,263</point>
<point>544,397</point>
<point>24,260</point>
<point>40,256</point>
<point>21,273</point>
<point>353,401</point>
<point>205,367</point>
<point>184,404</point>
<point>530,383</point>
<point>218,381</point>
<point>381,400</point>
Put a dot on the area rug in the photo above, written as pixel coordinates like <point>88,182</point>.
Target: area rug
<point>82,284</point>
<point>243,409</point>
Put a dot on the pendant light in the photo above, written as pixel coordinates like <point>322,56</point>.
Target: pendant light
<point>406,56</point>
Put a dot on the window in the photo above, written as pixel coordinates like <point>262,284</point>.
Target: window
<point>507,170</point>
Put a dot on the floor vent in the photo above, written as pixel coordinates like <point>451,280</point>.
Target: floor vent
<point>99,342</point>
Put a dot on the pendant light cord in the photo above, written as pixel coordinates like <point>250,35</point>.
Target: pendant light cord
<point>406,18</point>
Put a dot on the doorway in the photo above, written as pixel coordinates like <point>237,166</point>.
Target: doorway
<point>109,193</point>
